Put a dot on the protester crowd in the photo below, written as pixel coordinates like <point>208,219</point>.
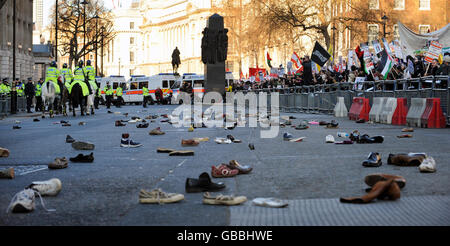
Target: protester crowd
<point>339,73</point>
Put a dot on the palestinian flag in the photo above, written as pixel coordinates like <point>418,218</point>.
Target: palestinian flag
<point>268,60</point>
<point>385,65</point>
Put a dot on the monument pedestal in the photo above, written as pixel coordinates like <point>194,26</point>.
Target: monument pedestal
<point>215,77</point>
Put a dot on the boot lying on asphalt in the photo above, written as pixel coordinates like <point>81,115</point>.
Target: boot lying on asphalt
<point>242,169</point>
<point>156,131</point>
<point>428,165</point>
<point>119,123</point>
<point>374,178</point>
<point>4,152</point>
<point>189,142</point>
<point>222,171</point>
<point>78,145</point>
<point>411,159</point>
<point>202,184</point>
<point>83,158</point>
<point>46,188</point>
<point>181,153</point>
<point>381,190</point>
<point>7,173</point>
<point>58,163</point>
<point>269,202</point>
<point>223,200</point>
<point>69,139</point>
<point>158,196</point>
<point>373,160</point>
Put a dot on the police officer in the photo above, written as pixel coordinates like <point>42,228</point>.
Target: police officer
<point>79,77</point>
<point>4,88</point>
<point>52,75</point>
<point>98,96</point>
<point>108,94</point>
<point>90,72</point>
<point>145,94</point>
<point>20,87</point>
<point>67,73</point>
<point>29,93</point>
<point>119,93</point>
<point>38,95</point>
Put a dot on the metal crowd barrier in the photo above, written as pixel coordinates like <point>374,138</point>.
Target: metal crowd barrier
<point>5,105</point>
<point>322,98</point>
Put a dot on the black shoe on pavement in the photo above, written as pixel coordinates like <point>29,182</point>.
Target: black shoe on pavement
<point>83,158</point>
<point>202,184</point>
<point>69,139</point>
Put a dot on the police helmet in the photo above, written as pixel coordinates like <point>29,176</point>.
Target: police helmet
<point>65,65</point>
<point>88,62</point>
<point>53,64</point>
<point>80,63</point>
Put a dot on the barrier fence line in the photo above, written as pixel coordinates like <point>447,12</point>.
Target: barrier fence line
<point>324,97</point>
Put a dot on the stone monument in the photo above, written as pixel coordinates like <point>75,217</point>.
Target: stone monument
<point>214,54</point>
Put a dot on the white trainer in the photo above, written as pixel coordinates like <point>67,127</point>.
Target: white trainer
<point>47,188</point>
<point>22,202</point>
<point>329,139</point>
<point>428,165</point>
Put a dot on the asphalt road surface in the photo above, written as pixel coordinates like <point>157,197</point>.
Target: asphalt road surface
<point>310,175</point>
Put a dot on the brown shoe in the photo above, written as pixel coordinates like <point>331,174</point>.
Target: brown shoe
<point>7,173</point>
<point>405,136</point>
<point>374,178</point>
<point>4,152</point>
<point>408,130</point>
<point>156,131</point>
<point>189,142</point>
<point>380,190</point>
<point>164,150</point>
<point>406,159</point>
<point>58,163</point>
<point>242,169</point>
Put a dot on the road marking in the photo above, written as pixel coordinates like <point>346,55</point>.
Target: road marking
<point>34,171</point>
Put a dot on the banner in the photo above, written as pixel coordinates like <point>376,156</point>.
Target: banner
<point>434,51</point>
<point>398,50</point>
<point>319,55</point>
<point>376,46</point>
<point>386,46</point>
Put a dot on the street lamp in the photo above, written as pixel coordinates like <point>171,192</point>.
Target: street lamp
<point>384,18</point>
<point>96,40</point>
<point>84,28</point>
<point>334,41</point>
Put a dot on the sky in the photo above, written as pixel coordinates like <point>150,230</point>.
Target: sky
<point>48,4</point>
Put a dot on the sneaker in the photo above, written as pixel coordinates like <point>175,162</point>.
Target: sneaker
<point>129,144</point>
<point>157,131</point>
<point>66,124</point>
<point>428,165</point>
<point>16,127</point>
<point>47,188</point>
<point>69,139</point>
<point>300,139</point>
<point>158,196</point>
<point>142,125</point>
<point>58,163</point>
<point>7,173</point>
<point>222,171</point>
<point>78,145</point>
<point>269,202</point>
<point>222,140</point>
<point>83,158</point>
<point>408,130</point>
<point>22,202</point>
<point>223,200</point>
<point>81,123</point>
<point>4,152</point>
<point>329,139</point>
<point>119,123</point>
<point>287,136</point>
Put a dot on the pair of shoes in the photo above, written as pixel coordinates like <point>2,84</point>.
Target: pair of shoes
<point>78,145</point>
<point>381,190</point>
<point>58,163</point>
<point>7,173</point>
<point>159,197</point>
<point>69,139</point>
<point>83,158</point>
<point>223,171</point>
<point>119,123</point>
<point>242,169</point>
<point>202,184</point>
<point>127,143</point>
<point>157,131</point>
<point>223,200</point>
<point>145,125</point>
<point>189,142</point>
<point>23,201</point>
<point>373,160</point>
<point>410,159</point>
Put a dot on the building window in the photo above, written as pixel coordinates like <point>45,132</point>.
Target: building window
<point>424,4</point>
<point>131,25</point>
<point>374,4</point>
<point>396,33</point>
<point>131,40</point>
<point>424,29</point>
<point>399,4</point>
<point>131,57</point>
<point>372,32</point>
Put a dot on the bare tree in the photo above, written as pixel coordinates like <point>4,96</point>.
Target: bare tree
<point>71,28</point>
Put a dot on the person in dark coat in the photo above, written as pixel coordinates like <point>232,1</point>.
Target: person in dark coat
<point>29,93</point>
<point>307,72</point>
<point>159,95</point>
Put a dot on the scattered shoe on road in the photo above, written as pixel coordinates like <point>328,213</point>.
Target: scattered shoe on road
<point>223,200</point>
<point>157,196</point>
<point>329,139</point>
<point>69,139</point>
<point>243,169</point>
<point>156,131</point>
<point>4,152</point>
<point>50,187</point>
<point>58,163</point>
<point>83,158</point>
<point>410,159</point>
<point>189,142</point>
<point>222,171</point>
<point>202,184</point>
<point>269,202</point>
<point>119,123</point>
<point>7,173</point>
<point>428,165</point>
<point>79,145</point>
<point>373,160</point>
<point>128,143</point>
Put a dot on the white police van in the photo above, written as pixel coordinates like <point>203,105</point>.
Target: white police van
<point>197,82</point>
